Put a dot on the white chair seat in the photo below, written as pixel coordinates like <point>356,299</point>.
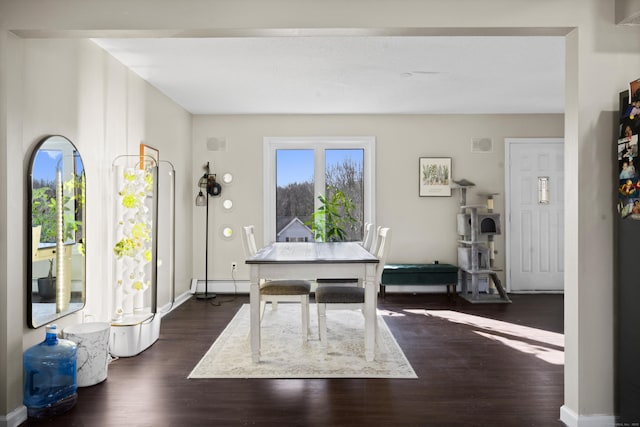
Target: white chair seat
<point>286,287</point>
<point>340,295</point>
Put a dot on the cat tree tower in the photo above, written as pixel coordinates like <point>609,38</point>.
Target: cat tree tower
<point>477,226</point>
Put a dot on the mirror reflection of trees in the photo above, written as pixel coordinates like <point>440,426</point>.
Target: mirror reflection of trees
<point>44,205</point>
<point>43,209</point>
<point>56,279</point>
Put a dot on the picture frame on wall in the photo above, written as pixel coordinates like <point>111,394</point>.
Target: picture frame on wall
<point>434,176</point>
<point>149,156</point>
<point>634,91</point>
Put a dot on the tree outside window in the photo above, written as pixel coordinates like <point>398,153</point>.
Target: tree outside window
<point>318,188</point>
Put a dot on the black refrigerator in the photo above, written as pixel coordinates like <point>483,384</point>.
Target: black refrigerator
<point>628,259</point>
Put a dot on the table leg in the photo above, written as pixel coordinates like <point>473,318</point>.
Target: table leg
<point>370,318</point>
<point>254,300</point>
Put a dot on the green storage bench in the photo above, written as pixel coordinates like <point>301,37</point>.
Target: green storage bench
<point>419,275</point>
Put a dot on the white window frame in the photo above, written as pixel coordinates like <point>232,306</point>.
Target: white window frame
<point>318,144</point>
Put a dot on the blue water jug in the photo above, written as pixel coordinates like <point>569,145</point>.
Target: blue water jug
<point>49,376</point>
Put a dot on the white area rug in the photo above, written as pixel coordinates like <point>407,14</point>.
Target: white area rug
<point>283,355</point>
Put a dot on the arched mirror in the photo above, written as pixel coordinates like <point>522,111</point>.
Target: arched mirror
<point>56,219</point>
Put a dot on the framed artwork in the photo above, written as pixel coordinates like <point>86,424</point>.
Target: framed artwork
<point>434,176</point>
<point>149,156</point>
<point>634,91</point>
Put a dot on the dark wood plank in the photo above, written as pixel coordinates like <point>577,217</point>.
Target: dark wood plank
<point>465,378</point>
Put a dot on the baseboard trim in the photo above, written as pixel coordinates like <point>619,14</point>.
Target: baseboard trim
<point>220,286</point>
<point>179,300</point>
<point>571,419</point>
<point>15,417</point>
<point>242,287</point>
<point>536,292</point>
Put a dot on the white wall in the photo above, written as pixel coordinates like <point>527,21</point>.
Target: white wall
<point>73,88</point>
<point>106,111</point>
<point>12,301</point>
<point>601,61</point>
<point>424,228</point>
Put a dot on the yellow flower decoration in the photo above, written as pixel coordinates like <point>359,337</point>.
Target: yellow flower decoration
<point>129,201</point>
<point>148,180</point>
<point>124,247</point>
<point>136,226</point>
<point>140,231</point>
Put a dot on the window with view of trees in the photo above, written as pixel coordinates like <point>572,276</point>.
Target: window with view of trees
<point>294,194</point>
<point>318,189</point>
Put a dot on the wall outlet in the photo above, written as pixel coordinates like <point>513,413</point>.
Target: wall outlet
<point>234,266</point>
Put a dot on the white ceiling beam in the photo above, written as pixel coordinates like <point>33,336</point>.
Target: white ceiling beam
<point>627,12</point>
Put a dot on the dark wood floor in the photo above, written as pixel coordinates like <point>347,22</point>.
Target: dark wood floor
<point>465,378</point>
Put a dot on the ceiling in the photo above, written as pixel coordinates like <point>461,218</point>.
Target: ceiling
<point>351,75</point>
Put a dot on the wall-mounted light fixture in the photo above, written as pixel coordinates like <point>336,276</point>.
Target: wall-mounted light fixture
<point>227,232</point>
<point>543,190</point>
<point>227,178</point>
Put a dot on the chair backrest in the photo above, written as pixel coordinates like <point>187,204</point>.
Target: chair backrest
<point>375,241</point>
<point>368,236</point>
<point>383,242</point>
<point>249,240</point>
<point>35,239</point>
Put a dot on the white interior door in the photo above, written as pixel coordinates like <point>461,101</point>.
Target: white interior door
<point>535,230</point>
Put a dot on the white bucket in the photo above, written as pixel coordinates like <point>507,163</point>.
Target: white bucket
<point>93,351</point>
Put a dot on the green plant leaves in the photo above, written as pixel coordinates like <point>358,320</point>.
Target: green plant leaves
<point>334,217</point>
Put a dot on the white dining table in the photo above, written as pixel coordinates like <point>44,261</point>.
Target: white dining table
<point>311,261</point>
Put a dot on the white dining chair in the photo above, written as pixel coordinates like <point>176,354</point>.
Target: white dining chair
<point>375,243</point>
<point>367,238</point>
<point>274,291</point>
<point>36,232</point>
<point>348,297</point>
